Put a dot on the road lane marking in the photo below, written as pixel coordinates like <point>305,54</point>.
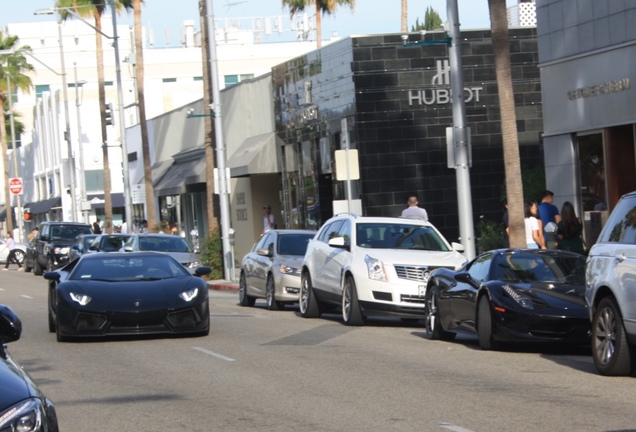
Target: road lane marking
<point>452,427</point>
<point>213,354</point>
<point>26,296</point>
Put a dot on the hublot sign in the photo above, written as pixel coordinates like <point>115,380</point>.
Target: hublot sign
<point>441,96</point>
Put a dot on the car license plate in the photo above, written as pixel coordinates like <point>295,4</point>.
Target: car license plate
<point>422,290</point>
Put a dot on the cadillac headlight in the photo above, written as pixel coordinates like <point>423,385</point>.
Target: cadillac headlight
<point>375,267</point>
<point>524,301</point>
<point>189,295</point>
<point>82,299</point>
<point>23,417</point>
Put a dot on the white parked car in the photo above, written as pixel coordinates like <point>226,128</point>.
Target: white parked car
<point>373,266</point>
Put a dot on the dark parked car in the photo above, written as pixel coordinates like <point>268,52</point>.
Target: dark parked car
<point>272,269</point>
<point>127,294</point>
<point>511,296</point>
<point>50,248</point>
<point>23,407</point>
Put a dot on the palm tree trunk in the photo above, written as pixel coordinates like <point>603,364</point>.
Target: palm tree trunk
<point>318,25</point>
<point>405,13</point>
<point>145,147</point>
<point>210,160</point>
<point>514,188</point>
<point>5,163</point>
<point>108,202</point>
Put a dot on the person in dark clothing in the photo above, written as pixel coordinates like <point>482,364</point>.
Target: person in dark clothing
<point>97,229</point>
<point>570,230</point>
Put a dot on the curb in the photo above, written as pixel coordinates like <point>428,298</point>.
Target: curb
<point>223,286</point>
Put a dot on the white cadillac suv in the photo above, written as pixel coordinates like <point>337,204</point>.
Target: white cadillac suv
<point>373,266</point>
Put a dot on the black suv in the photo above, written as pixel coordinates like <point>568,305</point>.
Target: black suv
<point>50,248</point>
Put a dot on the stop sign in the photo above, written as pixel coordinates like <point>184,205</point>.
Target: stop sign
<point>15,185</point>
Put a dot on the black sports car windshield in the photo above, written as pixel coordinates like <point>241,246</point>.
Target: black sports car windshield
<point>520,267</point>
<point>399,236</point>
<point>293,244</point>
<point>115,269</point>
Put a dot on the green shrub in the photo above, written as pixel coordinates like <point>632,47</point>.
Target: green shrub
<point>490,235</point>
<point>212,254</point>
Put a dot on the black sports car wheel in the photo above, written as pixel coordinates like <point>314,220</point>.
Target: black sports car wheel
<point>610,350</point>
<point>309,307</point>
<point>58,333</point>
<point>433,326</point>
<point>351,312</point>
<point>244,299</point>
<point>51,322</point>
<point>270,295</point>
<point>37,270</point>
<point>484,325</point>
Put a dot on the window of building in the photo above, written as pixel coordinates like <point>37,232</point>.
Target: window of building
<point>94,180</point>
<point>108,83</point>
<point>39,89</point>
<point>197,78</point>
<point>169,80</point>
<point>231,80</point>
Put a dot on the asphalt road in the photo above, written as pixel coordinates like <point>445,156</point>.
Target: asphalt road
<point>275,371</point>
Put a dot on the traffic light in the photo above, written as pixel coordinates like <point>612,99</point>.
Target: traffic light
<point>27,215</point>
<point>108,115</point>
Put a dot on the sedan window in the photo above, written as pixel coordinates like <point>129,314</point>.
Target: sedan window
<point>293,244</point>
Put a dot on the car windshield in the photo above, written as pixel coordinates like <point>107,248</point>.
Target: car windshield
<point>293,244</point>
<point>520,267</point>
<point>68,233</point>
<point>130,267</point>
<point>164,243</point>
<point>399,236</point>
<point>112,243</point>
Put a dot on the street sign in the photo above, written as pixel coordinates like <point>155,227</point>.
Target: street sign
<point>15,186</point>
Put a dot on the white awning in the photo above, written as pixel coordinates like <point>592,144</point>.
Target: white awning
<point>256,155</point>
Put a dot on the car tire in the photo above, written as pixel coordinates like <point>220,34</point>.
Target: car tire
<point>611,352</point>
<point>60,337</point>
<point>244,298</point>
<point>308,304</point>
<point>351,311</point>
<point>270,294</point>
<point>37,270</point>
<point>433,324</point>
<point>19,256</point>
<point>484,325</point>
<point>51,321</point>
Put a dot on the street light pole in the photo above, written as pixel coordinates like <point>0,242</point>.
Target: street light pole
<point>460,135</point>
<point>122,128</point>
<point>81,147</point>
<point>220,149</point>
<point>67,130</point>
<point>18,197</point>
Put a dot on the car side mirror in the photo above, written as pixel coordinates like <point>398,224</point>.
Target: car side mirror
<point>53,275</point>
<point>457,246</point>
<point>464,277</point>
<point>264,252</point>
<point>338,242</point>
<point>10,325</point>
<point>203,270</point>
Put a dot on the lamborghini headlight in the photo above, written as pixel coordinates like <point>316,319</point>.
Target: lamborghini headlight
<point>189,294</point>
<point>524,301</point>
<point>23,417</point>
<point>82,299</point>
<point>375,268</point>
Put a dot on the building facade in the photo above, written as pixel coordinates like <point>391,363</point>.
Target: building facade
<point>393,97</point>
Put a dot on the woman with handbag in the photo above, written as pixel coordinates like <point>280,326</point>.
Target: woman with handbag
<point>570,230</point>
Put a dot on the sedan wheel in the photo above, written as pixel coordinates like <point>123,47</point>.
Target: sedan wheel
<point>351,312</point>
<point>309,307</point>
<point>611,352</point>
<point>244,299</point>
<point>19,256</point>
<point>433,326</point>
<point>270,295</point>
<point>484,325</point>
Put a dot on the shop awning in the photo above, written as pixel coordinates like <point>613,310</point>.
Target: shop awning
<point>179,176</point>
<point>44,206</point>
<point>117,199</point>
<point>256,155</point>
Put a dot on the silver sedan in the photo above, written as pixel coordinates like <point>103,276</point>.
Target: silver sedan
<point>272,269</point>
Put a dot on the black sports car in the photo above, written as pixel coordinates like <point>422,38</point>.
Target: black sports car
<point>511,296</point>
<point>127,294</point>
<point>23,407</point>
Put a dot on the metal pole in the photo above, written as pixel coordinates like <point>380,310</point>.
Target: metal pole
<point>122,128</point>
<point>18,197</point>
<point>220,148</point>
<point>67,131</point>
<point>460,136</point>
<point>81,148</point>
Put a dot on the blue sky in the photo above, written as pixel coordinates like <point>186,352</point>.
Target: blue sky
<point>368,17</point>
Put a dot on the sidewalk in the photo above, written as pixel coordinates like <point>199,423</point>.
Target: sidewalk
<point>223,285</point>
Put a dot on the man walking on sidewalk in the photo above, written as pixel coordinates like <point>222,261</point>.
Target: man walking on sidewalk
<point>11,257</point>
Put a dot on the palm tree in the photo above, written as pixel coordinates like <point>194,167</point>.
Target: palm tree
<point>96,9</point>
<point>322,7</point>
<point>514,187</point>
<point>141,101</point>
<point>210,160</point>
<point>405,15</point>
<point>12,67</point>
